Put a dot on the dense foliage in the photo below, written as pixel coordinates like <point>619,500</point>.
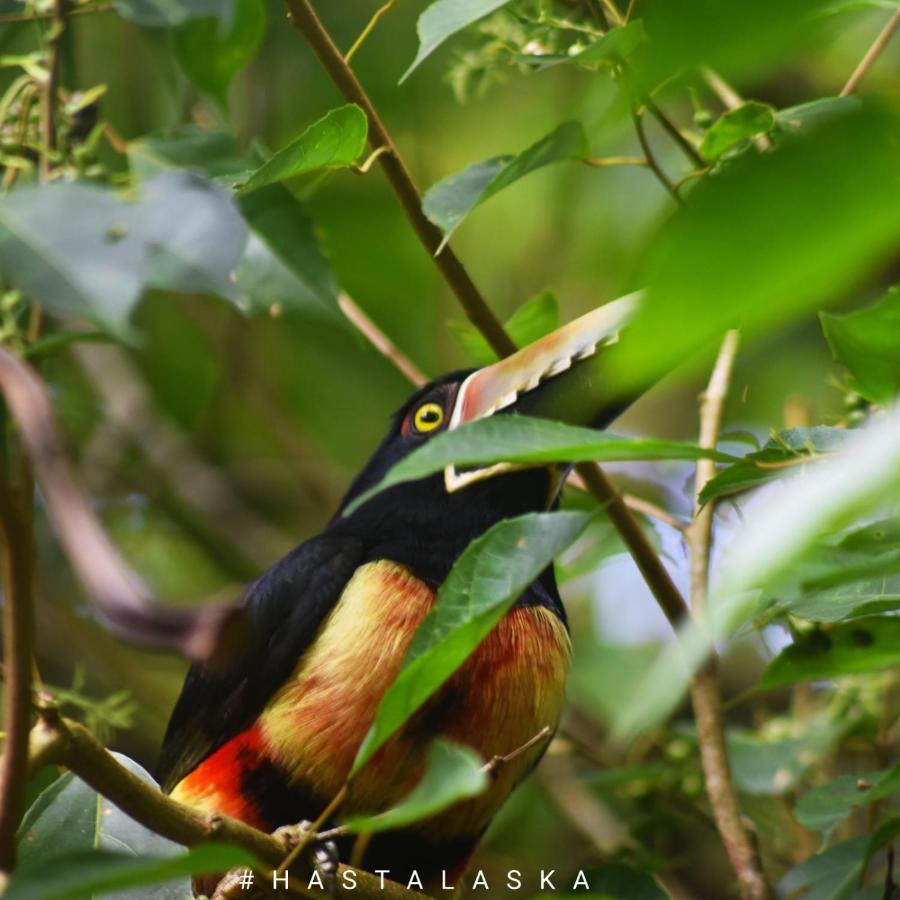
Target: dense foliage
<point>189,212</point>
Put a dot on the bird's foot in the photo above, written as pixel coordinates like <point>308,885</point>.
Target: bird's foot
<point>320,855</point>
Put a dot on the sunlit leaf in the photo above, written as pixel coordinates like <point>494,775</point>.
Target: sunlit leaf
<point>445,18</point>
<point>867,342</point>
<point>336,141</point>
<point>211,53</point>
<point>484,583</point>
<point>532,320</point>
<point>452,773</point>
<point>522,439</point>
<point>849,648</point>
<point>735,126</point>
<point>448,202</point>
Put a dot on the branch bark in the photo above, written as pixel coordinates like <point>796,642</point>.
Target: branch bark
<point>57,741</point>
<point>18,643</point>
<point>123,600</point>
<point>705,694</point>
<point>307,22</point>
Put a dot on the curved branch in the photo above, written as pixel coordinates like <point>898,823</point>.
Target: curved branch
<point>57,741</point>
<point>124,602</point>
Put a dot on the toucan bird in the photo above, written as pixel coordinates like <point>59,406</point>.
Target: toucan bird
<point>271,740</point>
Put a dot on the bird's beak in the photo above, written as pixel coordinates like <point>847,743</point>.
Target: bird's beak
<point>563,375</point>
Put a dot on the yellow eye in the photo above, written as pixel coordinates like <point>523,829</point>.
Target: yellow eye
<point>428,417</point>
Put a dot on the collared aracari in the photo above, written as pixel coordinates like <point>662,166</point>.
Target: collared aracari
<point>272,739</point>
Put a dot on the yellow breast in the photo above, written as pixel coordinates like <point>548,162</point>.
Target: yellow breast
<point>507,691</point>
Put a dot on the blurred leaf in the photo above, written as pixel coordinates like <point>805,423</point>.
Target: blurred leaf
<point>449,201</point>
<point>283,266</point>
<point>735,38</point>
<point>794,119</point>
<point>452,773</point>
<point>852,648</point>
<point>211,54</point>
<point>334,142</point>
<point>838,216</point>
<point>193,232</point>
<point>213,153</point>
<point>614,881</point>
<point>82,874</point>
<point>824,808</point>
<point>761,765</point>
<point>482,586</point>
<point>443,19</point>
<point>867,342</point>
<point>785,454</point>
<point>166,13</point>
<point>521,439</point>
<point>735,126</point>
<point>532,320</point>
<point>181,234</point>
<point>832,874</point>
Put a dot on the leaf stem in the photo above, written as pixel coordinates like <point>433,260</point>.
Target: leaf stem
<point>458,279</point>
<point>18,642</point>
<point>49,96</point>
<point>705,693</point>
<point>866,63</point>
<point>382,10</point>
<point>656,168</point>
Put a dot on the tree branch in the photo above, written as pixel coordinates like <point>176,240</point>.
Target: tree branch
<point>57,741</point>
<point>123,600</point>
<point>18,643</point>
<point>307,22</point>
<point>705,693</point>
<point>872,54</point>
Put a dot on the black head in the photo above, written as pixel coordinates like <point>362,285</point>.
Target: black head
<point>429,522</point>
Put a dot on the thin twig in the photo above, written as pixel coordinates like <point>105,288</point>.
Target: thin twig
<point>604,162</point>
<point>310,834</point>
<point>692,153</point>
<point>61,742</point>
<point>637,118</point>
<point>51,88</point>
<point>121,597</point>
<point>381,342</point>
<point>307,22</point>
<point>493,766</point>
<point>8,18</point>
<point>872,54</point>
<point>370,27</point>
<point>18,643</point>
<point>705,693</point>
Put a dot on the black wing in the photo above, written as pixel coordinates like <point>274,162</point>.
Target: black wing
<point>286,605</point>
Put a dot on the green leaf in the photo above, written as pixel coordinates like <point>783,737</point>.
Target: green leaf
<point>532,320</point>
<point>214,153</point>
<point>483,584</point>
<point>766,766</point>
<point>82,874</point>
<point>824,808</point>
<point>616,45</point>
<point>211,54</point>
<point>522,439</point>
<point>452,773</point>
<point>785,454</point>
<point>736,126</point>
<point>867,342</point>
<point>793,119</point>
<point>167,13</point>
<point>336,141</point>
<point>448,202</point>
<point>832,874</point>
<point>445,18</point>
<point>774,268</point>
<point>851,648</point>
<point>181,234</point>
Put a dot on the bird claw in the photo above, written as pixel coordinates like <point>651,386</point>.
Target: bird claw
<point>321,856</point>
